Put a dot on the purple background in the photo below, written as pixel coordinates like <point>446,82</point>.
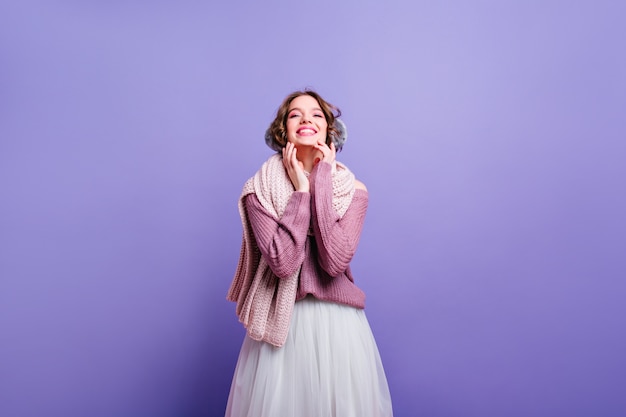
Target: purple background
<point>491,135</point>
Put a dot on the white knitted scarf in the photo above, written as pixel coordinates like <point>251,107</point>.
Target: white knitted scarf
<point>264,301</point>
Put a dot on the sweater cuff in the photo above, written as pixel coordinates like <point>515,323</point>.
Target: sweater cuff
<point>298,209</point>
<point>321,176</point>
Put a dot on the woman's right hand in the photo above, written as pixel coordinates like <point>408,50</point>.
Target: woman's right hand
<point>295,168</point>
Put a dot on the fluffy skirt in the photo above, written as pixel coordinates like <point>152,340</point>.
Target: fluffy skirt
<point>328,367</point>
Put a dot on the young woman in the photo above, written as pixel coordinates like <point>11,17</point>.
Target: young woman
<point>309,350</point>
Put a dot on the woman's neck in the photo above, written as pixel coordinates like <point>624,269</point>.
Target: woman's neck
<point>308,156</point>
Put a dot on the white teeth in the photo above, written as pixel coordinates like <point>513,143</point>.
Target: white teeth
<point>306,131</point>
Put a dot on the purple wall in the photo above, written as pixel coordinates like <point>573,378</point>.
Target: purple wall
<point>491,137</point>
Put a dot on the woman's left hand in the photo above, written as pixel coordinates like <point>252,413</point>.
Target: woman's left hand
<point>329,153</point>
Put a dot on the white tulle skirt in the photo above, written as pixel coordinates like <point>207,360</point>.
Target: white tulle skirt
<point>328,367</point>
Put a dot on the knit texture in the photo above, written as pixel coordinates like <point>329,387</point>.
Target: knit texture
<point>326,273</point>
<point>310,233</point>
<point>264,301</point>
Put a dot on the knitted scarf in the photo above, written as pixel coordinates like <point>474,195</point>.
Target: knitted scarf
<point>264,301</point>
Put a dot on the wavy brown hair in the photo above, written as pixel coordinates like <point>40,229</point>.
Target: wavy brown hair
<point>278,129</point>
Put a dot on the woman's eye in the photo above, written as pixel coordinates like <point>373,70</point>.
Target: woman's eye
<point>292,115</point>
<point>318,115</point>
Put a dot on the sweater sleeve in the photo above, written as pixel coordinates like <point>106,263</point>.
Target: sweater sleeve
<point>281,241</point>
<point>337,238</point>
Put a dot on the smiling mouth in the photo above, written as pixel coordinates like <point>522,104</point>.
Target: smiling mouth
<point>306,131</point>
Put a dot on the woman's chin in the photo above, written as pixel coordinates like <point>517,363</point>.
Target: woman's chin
<point>301,144</point>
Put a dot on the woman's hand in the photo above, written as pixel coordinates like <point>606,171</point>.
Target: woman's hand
<point>295,168</point>
<point>329,153</point>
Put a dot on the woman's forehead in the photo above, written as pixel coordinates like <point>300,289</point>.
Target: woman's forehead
<point>304,101</point>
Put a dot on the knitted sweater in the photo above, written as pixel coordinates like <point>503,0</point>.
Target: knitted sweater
<point>312,236</point>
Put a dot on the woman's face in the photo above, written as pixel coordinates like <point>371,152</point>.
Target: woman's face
<point>306,124</point>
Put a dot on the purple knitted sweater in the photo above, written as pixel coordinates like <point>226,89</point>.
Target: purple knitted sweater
<point>310,233</point>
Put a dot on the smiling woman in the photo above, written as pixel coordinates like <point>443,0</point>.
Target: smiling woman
<point>306,125</point>
<point>309,350</point>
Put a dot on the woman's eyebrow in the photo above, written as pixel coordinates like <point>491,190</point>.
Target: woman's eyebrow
<point>300,110</point>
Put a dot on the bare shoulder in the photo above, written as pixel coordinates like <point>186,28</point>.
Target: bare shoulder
<point>359,185</point>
